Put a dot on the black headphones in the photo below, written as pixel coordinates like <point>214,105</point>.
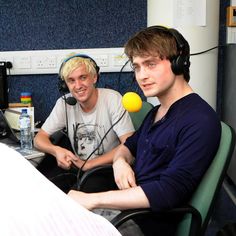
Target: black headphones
<point>61,82</point>
<point>179,64</point>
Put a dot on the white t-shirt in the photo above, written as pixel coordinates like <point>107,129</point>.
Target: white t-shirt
<point>87,130</point>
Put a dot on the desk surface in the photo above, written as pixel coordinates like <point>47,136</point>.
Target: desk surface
<point>35,157</point>
<point>32,155</point>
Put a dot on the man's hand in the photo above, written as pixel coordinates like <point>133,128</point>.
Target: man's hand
<point>83,199</point>
<point>79,163</point>
<point>64,157</point>
<point>123,174</point>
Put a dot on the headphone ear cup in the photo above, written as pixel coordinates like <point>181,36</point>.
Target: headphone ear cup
<point>62,87</point>
<point>177,65</point>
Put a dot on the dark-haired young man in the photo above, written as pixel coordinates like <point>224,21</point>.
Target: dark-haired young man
<point>176,142</point>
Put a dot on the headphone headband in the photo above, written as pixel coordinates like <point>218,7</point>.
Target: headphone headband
<point>179,64</point>
<point>181,43</point>
<point>97,68</point>
<point>61,83</point>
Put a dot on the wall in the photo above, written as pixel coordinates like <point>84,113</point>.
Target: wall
<point>205,82</point>
<point>62,24</point>
<point>221,57</point>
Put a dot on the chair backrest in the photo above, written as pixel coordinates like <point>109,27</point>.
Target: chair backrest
<point>137,117</point>
<point>204,197</point>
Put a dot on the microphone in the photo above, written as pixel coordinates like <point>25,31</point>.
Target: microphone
<point>70,101</point>
<point>132,102</point>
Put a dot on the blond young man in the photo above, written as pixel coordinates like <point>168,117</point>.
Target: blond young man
<point>95,111</point>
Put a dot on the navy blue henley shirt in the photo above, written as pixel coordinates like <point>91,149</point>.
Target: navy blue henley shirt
<point>172,154</point>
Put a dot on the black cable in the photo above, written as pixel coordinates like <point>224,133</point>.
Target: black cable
<point>62,175</point>
<point>120,72</point>
<point>191,54</point>
<point>133,81</point>
<point>66,129</point>
<point>85,161</point>
<point>198,53</point>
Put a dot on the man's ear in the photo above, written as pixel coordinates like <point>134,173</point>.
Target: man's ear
<point>95,79</point>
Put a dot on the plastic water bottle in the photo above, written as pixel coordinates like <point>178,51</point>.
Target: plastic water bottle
<point>25,131</point>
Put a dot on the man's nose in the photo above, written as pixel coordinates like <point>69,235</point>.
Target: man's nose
<point>77,83</point>
<point>142,73</point>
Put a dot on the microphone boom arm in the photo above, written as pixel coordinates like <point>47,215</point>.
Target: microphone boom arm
<point>85,161</point>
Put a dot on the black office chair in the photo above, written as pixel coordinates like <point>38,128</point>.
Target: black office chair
<point>63,179</point>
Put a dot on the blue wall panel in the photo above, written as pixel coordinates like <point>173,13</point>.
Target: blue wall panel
<point>62,24</point>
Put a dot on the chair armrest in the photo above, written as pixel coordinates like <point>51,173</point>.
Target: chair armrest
<point>104,171</point>
<point>61,139</point>
<point>147,212</point>
<point>57,137</point>
<point>130,214</point>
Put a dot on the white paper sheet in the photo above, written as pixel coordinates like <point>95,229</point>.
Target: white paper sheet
<point>30,205</point>
<point>189,12</point>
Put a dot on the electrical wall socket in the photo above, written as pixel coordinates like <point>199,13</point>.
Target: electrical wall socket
<point>102,60</point>
<point>49,61</point>
<point>44,62</point>
<point>22,62</point>
<point>119,59</point>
